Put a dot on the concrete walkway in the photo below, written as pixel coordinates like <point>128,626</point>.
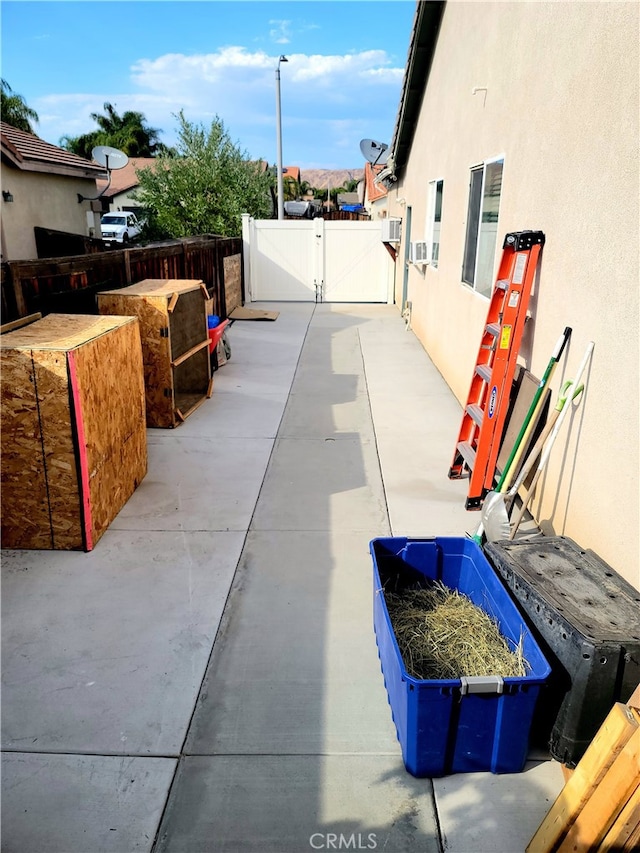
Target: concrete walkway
<point>207,678</point>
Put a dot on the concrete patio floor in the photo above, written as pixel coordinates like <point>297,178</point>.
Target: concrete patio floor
<point>207,679</point>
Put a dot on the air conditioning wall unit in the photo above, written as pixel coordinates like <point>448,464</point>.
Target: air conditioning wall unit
<point>419,253</point>
<point>391,230</point>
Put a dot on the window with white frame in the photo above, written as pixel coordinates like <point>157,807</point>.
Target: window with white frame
<point>434,219</point>
<point>482,225</point>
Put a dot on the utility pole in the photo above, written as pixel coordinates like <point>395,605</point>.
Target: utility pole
<point>279,141</point>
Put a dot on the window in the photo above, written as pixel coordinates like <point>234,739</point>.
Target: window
<point>482,225</point>
<point>434,218</point>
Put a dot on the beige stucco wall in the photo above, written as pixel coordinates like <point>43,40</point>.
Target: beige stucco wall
<point>562,107</point>
<point>49,201</point>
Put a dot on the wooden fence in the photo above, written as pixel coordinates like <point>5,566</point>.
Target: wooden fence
<point>69,285</point>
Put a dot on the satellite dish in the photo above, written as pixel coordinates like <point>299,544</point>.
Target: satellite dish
<point>110,158</point>
<point>374,152</point>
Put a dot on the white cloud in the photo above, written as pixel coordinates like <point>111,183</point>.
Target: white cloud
<point>336,97</point>
<point>280,32</point>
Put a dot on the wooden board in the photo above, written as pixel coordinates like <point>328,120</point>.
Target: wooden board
<point>526,387</point>
<point>114,420</point>
<point>57,423</point>
<point>625,826</point>
<point>25,510</point>
<point>151,312</point>
<point>607,800</point>
<point>253,314</point>
<point>594,784</point>
<point>159,287</point>
<point>188,323</point>
<point>74,438</point>
<point>232,268</point>
<point>173,328</point>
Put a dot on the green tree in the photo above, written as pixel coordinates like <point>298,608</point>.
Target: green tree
<point>205,188</point>
<point>291,189</point>
<point>14,109</point>
<point>128,132</point>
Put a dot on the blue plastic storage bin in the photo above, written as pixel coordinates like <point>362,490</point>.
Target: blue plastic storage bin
<point>457,725</point>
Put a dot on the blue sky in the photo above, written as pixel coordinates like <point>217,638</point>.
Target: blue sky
<point>341,83</point>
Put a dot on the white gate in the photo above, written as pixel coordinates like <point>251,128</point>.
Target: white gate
<point>315,261</point>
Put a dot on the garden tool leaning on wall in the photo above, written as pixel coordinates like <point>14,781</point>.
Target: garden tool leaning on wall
<point>496,519</point>
<point>523,436</point>
<point>575,391</point>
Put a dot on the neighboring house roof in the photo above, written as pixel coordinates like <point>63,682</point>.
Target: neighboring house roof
<point>373,191</point>
<point>125,179</point>
<point>348,198</point>
<point>31,154</point>
<point>291,172</point>
<point>424,35</point>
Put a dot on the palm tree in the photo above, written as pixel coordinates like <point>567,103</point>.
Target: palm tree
<point>15,111</point>
<point>291,189</point>
<point>127,132</point>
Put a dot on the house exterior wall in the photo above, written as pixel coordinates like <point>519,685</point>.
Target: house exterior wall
<point>561,106</point>
<point>124,201</point>
<point>49,201</point>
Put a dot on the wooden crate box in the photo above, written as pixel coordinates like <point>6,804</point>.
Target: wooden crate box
<point>74,444</point>
<point>175,343</point>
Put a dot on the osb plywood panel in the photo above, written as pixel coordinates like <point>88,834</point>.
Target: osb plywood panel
<point>159,287</point>
<point>25,512</point>
<point>232,282</point>
<point>59,332</point>
<point>151,312</point>
<point>44,504</point>
<point>192,379</point>
<point>60,451</point>
<point>113,407</point>
<point>188,323</point>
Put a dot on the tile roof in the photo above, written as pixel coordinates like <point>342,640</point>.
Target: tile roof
<point>31,154</point>
<point>291,172</point>
<point>373,191</point>
<point>125,179</point>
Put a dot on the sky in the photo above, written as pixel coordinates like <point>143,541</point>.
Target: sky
<point>341,83</point>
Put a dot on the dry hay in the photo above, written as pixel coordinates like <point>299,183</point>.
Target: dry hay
<point>442,634</point>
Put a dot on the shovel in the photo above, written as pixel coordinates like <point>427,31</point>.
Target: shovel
<point>497,504</point>
<point>523,435</point>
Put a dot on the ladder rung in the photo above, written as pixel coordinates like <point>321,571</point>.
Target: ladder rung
<point>484,372</point>
<point>468,453</point>
<point>502,284</point>
<point>475,413</point>
<point>493,329</point>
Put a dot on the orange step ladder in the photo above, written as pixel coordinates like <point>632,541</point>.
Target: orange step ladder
<point>484,416</point>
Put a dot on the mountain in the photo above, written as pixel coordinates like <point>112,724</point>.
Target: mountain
<point>320,179</point>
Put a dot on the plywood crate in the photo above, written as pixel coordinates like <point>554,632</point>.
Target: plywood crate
<point>175,343</point>
<point>74,444</point>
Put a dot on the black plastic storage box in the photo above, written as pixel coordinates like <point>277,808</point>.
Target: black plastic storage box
<point>587,621</point>
<point>464,724</point>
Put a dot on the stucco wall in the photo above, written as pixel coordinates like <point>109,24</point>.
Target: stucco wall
<point>561,105</point>
<point>49,201</point>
